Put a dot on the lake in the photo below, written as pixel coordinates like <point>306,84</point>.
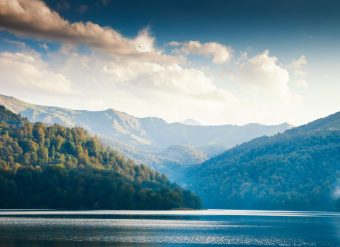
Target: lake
<point>28,228</point>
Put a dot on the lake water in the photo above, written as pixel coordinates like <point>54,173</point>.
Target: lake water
<point>168,228</point>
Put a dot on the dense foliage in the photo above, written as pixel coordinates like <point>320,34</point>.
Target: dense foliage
<point>57,167</point>
<point>298,169</point>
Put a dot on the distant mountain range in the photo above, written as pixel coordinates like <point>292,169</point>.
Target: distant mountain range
<point>298,169</point>
<point>190,122</point>
<point>257,166</point>
<point>150,140</point>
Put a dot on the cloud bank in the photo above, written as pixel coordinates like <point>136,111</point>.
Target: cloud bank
<point>135,76</point>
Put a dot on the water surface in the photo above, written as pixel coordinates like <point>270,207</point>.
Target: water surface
<point>37,228</point>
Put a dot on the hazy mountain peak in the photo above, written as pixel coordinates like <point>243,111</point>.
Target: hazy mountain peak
<point>154,119</point>
<point>190,121</point>
<point>12,103</point>
<point>284,124</point>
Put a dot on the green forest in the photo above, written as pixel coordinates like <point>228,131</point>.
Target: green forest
<point>296,170</point>
<point>54,167</point>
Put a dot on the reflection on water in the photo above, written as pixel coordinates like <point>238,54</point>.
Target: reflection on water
<point>168,228</point>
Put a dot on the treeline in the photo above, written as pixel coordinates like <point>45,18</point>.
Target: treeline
<point>65,168</point>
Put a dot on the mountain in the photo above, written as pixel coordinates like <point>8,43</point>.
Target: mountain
<point>296,170</point>
<point>57,167</point>
<point>187,154</point>
<point>149,140</point>
<point>190,122</point>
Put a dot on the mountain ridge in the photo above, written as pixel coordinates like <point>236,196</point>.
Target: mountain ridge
<point>294,170</point>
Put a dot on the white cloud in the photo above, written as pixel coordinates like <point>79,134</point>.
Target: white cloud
<point>262,85</point>
<point>139,87</point>
<point>217,52</point>
<point>28,72</point>
<point>146,88</point>
<point>263,71</point>
<point>297,64</point>
<point>144,42</point>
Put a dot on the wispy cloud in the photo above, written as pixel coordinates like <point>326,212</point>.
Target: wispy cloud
<point>299,73</point>
<point>63,5</point>
<point>21,45</point>
<point>217,52</point>
<point>82,8</point>
<point>299,63</point>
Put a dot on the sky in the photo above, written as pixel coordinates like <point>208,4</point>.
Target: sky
<point>218,62</point>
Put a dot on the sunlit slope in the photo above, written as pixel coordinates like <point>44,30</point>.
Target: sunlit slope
<point>57,167</point>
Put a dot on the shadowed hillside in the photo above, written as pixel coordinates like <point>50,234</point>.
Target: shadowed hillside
<point>298,169</point>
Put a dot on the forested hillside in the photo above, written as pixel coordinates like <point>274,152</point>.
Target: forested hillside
<point>299,169</point>
<point>57,167</point>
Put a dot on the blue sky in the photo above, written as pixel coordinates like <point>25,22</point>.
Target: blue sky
<point>281,26</point>
<point>215,61</point>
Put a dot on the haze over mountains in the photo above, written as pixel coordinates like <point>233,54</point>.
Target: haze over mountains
<point>150,140</point>
<point>295,169</point>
